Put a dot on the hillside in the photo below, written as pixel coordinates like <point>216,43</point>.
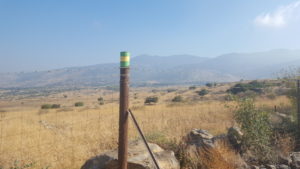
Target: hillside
<point>177,69</point>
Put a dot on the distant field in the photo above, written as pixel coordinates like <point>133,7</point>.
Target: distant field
<point>64,138</point>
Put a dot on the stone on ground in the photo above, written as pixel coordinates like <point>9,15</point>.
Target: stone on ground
<point>138,158</point>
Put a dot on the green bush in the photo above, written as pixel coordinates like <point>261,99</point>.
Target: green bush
<point>151,100</point>
<point>211,84</point>
<point>55,106</point>
<point>254,86</point>
<point>192,87</point>
<point>79,104</point>
<point>46,106</point>
<point>50,106</point>
<point>203,92</point>
<point>177,99</point>
<point>257,129</point>
<point>171,90</point>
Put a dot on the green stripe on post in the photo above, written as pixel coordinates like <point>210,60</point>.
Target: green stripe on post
<point>124,59</point>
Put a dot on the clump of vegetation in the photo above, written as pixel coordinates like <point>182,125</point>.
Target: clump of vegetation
<point>254,86</point>
<point>17,165</point>
<point>55,106</point>
<point>211,84</point>
<point>101,100</point>
<point>161,139</point>
<point>203,92</point>
<point>220,157</point>
<point>79,104</point>
<point>171,90</point>
<point>151,100</point>
<point>177,99</point>
<point>192,87</point>
<point>50,106</point>
<point>257,129</point>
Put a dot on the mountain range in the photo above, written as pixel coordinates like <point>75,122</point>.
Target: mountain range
<point>163,70</point>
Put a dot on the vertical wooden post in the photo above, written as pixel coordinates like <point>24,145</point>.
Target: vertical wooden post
<point>123,116</point>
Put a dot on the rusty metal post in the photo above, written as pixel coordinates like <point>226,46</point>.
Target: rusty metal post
<point>123,116</point>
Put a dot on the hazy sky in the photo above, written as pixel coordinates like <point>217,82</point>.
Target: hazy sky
<point>40,35</point>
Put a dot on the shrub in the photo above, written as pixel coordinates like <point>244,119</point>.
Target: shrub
<point>203,92</point>
<point>46,106</point>
<point>171,90</point>
<point>55,106</point>
<point>151,100</point>
<point>100,99</point>
<point>256,128</point>
<point>192,87</point>
<point>254,86</point>
<point>79,104</point>
<point>177,99</point>
<point>211,84</point>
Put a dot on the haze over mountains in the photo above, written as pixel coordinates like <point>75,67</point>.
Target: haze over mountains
<point>177,69</point>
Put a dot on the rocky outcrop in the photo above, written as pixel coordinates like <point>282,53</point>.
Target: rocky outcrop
<point>201,150</point>
<point>138,158</point>
<point>235,135</point>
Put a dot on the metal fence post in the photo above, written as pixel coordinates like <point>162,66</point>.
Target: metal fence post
<point>123,116</point>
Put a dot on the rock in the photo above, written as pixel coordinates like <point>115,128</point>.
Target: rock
<point>200,138</point>
<point>295,156</point>
<point>235,135</point>
<point>201,147</point>
<point>284,160</point>
<point>268,166</point>
<point>254,167</point>
<point>283,166</point>
<point>220,138</point>
<point>138,158</point>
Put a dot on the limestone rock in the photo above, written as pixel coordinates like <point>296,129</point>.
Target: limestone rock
<point>295,160</point>
<point>138,158</point>
<point>200,138</point>
<point>268,166</point>
<point>235,135</point>
<point>283,166</point>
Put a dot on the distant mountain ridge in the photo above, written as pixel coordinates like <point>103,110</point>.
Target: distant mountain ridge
<point>176,69</point>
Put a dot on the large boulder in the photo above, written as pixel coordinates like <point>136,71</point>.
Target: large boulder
<point>138,158</point>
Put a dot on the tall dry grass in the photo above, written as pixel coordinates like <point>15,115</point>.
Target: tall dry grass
<point>64,138</point>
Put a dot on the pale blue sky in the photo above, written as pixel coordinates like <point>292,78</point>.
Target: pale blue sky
<point>41,35</point>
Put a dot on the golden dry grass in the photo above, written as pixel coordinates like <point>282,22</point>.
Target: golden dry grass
<point>64,138</point>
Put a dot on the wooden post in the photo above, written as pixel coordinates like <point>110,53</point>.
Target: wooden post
<point>123,114</point>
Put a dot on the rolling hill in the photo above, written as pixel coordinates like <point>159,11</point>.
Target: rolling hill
<point>158,70</point>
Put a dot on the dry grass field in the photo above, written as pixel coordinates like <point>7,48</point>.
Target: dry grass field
<point>64,138</point>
